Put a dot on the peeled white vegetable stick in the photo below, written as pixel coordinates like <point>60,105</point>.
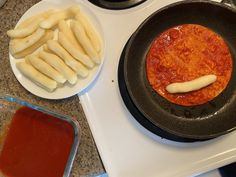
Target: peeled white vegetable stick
<point>90,30</point>
<point>75,9</point>
<point>45,68</point>
<point>59,65</point>
<point>54,18</point>
<point>21,44</point>
<point>23,32</point>
<point>196,84</point>
<point>84,40</point>
<point>47,36</point>
<point>84,59</point>
<point>64,27</point>
<point>35,76</point>
<point>55,47</point>
<point>31,19</point>
<point>45,48</point>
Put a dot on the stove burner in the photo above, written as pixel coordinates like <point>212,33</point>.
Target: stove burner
<point>136,113</point>
<point>116,5</point>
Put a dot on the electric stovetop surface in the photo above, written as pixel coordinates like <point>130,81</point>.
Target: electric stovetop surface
<point>126,147</point>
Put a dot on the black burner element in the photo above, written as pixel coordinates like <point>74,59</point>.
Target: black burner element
<point>116,5</point>
<point>228,170</point>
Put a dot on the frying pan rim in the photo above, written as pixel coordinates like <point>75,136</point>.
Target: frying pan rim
<point>132,38</point>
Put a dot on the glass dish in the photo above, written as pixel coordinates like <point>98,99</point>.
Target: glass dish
<point>8,107</point>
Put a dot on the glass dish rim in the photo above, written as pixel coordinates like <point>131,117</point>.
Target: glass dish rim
<point>71,121</point>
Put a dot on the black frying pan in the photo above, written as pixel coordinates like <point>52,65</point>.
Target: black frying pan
<point>205,121</point>
<point>136,113</point>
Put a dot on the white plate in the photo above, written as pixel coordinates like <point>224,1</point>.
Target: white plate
<point>67,90</point>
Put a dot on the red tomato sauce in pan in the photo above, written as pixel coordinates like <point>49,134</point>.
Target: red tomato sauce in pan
<point>36,145</point>
<point>184,53</point>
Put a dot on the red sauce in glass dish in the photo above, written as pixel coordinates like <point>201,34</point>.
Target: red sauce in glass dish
<point>184,53</point>
<point>36,145</point>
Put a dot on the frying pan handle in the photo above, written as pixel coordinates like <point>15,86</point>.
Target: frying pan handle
<point>229,2</point>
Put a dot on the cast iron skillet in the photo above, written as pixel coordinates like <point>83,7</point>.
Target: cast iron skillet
<point>205,121</point>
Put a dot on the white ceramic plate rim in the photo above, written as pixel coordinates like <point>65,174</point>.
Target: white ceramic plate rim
<point>67,90</point>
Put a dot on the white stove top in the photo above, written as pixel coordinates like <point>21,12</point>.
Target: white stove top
<point>126,148</point>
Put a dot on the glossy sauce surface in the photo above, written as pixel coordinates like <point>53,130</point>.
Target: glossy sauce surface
<point>184,53</point>
<point>36,145</point>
